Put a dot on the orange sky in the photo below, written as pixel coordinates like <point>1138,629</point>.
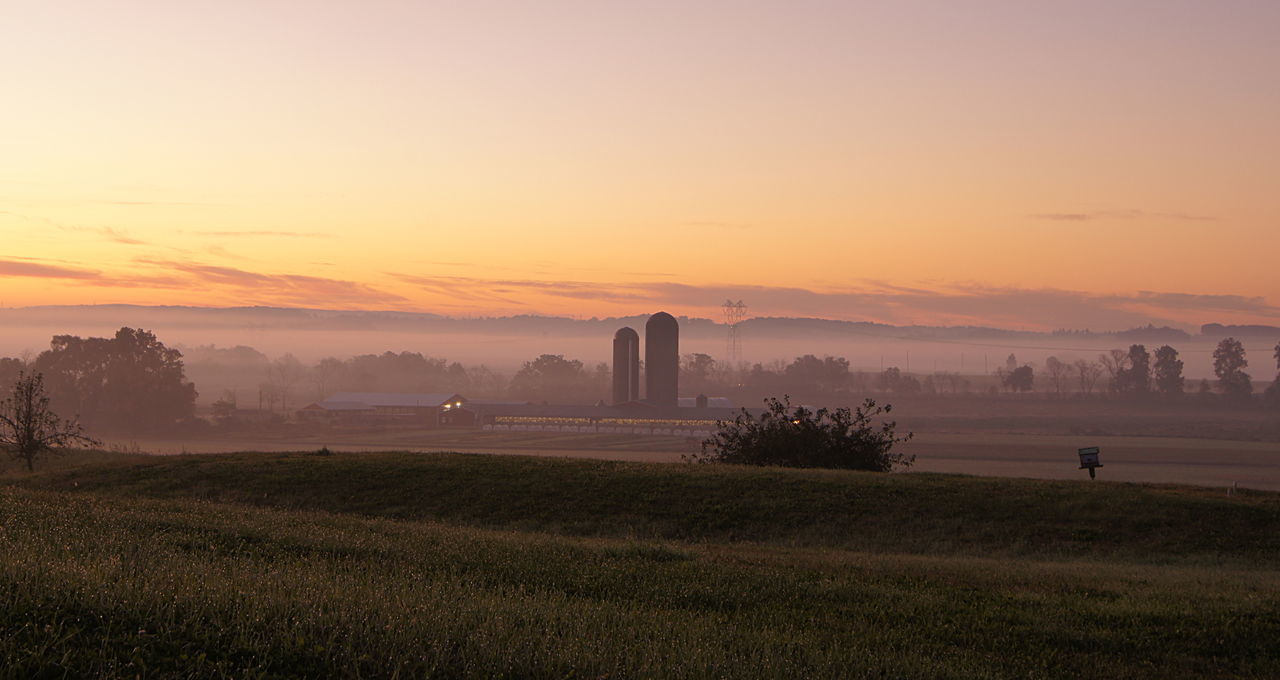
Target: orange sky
<point>1064,164</point>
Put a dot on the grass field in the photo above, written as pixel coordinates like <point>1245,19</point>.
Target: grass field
<point>446,565</point>
<point>1168,460</point>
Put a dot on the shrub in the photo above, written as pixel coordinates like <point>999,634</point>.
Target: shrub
<point>789,436</point>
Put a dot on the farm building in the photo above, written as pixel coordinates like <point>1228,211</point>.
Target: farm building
<point>621,419</point>
<point>417,408</point>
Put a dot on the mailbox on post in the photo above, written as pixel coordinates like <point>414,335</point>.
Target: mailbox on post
<point>1089,460</point>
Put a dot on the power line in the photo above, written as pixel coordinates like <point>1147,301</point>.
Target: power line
<point>734,313</point>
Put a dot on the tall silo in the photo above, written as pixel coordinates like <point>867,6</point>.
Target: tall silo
<point>626,366</point>
<point>662,360</point>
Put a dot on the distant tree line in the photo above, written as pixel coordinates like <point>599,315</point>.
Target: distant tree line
<point>128,382</point>
<point>133,382</point>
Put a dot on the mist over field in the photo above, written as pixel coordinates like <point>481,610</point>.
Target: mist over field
<point>505,343</point>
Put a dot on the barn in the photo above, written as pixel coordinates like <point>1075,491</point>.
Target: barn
<point>410,408</point>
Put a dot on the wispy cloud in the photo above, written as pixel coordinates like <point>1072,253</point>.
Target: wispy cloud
<point>19,268</point>
<point>262,233</point>
<point>110,233</point>
<point>262,287</point>
<point>252,287</point>
<point>1099,215</point>
<point>29,268</point>
<point>119,236</point>
<point>711,224</point>
<point>154,203</point>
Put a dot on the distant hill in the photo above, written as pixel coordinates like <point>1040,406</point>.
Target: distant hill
<point>1251,331</point>
<point>285,318</point>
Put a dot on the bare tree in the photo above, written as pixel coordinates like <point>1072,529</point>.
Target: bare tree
<point>28,427</point>
<point>325,372</point>
<point>1088,373</point>
<point>1059,374</point>
<point>268,395</point>
<point>1115,363</point>
<point>284,373</point>
<point>952,380</point>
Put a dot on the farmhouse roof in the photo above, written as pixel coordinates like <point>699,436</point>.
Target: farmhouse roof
<point>343,400</point>
<point>330,405</point>
<point>645,412</point>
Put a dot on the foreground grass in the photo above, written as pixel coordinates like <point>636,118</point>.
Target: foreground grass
<point>98,586</point>
<point>917,513</point>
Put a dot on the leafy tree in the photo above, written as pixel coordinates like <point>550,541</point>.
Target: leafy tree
<point>789,436</point>
<point>1272,393</point>
<point>1273,390</point>
<point>551,377</point>
<point>1168,371</point>
<point>1228,365</point>
<point>1020,379</point>
<point>698,373</point>
<point>486,383</point>
<point>28,427</point>
<point>128,381</point>
<point>390,372</point>
<point>697,366</point>
<point>10,370</point>
<point>1135,376</point>
<point>821,375</point>
<point>892,379</point>
<point>761,379</point>
<point>1015,378</point>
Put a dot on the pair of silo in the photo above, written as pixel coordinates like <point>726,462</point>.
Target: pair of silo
<point>661,362</point>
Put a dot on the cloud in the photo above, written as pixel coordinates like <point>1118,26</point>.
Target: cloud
<point>109,233</point>
<point>150,203</point>
<point>119,236</point>
<point>262,288</point>
<point>263,233</point>
<point>1120,215</point>
<point>29,268</point>
<point>18,268</point>
<point>737,226</point>
<point>250,286</point>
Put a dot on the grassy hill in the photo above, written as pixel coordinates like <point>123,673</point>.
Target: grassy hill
<point>446,565</point>
<point>917,513</point>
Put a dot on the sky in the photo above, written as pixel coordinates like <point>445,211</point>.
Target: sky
<point>1032,165</point>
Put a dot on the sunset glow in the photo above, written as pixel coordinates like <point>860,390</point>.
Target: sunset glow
<point>1030,165</point>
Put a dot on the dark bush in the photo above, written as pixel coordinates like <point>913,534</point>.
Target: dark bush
<point>789,436</point>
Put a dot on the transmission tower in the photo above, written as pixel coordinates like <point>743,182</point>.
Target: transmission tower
<point>734,313</point>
